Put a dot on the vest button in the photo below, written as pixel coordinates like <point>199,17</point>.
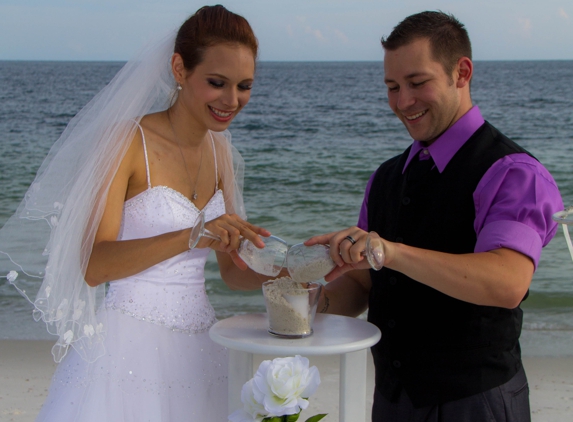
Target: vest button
<point>392,281</point>
<point>391,323</point>
<point>397,364</point>
<point>405,200</point>
<point>400,239</point>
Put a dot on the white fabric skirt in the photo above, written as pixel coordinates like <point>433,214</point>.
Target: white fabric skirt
<point>149,373</point>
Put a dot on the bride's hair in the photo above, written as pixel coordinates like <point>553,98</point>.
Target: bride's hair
<point>209,26</point>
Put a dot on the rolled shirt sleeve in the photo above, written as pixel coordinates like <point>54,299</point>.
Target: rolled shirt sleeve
<point>514,203</point>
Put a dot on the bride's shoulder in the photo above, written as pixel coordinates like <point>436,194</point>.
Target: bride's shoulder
<point>153,123</point>
<point>222,139</point>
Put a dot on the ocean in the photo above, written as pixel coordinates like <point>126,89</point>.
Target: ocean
<point>311,136</point>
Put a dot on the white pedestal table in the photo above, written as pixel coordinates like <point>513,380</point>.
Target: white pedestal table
<point>245,335</point>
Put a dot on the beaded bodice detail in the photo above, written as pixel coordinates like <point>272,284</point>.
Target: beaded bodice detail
<point>171,293</point>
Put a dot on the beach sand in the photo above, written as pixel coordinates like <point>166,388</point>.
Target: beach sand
<point>27,366</point>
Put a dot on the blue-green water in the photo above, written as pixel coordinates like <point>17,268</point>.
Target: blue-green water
<point>311,136</point>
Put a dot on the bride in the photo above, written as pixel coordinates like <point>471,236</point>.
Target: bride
<point>119,192</point>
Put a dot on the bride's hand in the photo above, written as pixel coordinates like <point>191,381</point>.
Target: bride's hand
<point>232,229</point>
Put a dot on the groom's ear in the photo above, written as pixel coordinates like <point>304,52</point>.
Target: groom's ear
<point>463,72</point>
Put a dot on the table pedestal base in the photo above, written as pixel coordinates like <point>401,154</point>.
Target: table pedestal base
<point>246,335</point>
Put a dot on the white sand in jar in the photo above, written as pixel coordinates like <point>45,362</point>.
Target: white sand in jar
<point>312,271</point>
<point>288,307</point>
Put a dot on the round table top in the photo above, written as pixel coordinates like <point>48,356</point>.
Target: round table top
<point>333,334</point>
<point>564,217</point>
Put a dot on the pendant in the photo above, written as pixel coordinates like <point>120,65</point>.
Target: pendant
<point>194,196</point>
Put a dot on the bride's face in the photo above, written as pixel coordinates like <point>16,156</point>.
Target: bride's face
<point>219,87</point>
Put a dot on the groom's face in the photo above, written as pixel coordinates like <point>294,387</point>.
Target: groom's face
<point>420,92</point>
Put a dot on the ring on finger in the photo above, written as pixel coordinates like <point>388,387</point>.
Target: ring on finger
<point>350,239</point>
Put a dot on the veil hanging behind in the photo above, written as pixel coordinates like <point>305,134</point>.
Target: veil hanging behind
<point>46,245</point>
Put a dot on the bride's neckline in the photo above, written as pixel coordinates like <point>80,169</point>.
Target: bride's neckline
<point>176,193</point>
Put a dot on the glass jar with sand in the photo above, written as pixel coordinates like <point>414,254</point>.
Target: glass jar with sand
<point>291,306</point>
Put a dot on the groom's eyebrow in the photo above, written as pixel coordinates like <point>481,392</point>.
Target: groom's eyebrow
<point>410,76</point>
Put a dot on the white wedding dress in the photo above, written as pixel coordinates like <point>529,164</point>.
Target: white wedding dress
<point>160,364</point>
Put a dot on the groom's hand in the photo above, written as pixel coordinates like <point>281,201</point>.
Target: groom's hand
<point>346,247</point>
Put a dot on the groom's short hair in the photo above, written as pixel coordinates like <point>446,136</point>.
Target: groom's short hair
<point>448,37</point>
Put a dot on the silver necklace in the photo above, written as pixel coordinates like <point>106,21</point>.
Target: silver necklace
<point>194,195</point>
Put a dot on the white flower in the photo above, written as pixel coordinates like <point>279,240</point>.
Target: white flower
<point>252,407</point>
<point>79,306</point>
<point>68,336</point>
<point>54,220</point>
<point>48,290</point>
<point>243,416</point>
<point>99,328</point>
<point>89,330</point>
<point>283,385</point>
<point>12,276</point>
<point>58,205</point>
<point>60,310</point>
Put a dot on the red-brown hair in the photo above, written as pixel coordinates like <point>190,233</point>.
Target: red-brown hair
<point>209,26</point>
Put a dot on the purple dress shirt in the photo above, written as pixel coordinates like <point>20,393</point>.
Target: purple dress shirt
<point>514,200</point>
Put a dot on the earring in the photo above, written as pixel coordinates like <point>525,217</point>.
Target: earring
<point>179,87</point>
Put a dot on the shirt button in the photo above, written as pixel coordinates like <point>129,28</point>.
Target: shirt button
<point>405,201</point>
<point>397,364</point>
<point>391,323</point>
<point>392,281</point>
<point>425,152</point>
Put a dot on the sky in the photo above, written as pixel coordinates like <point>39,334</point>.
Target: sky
<point>288,30</point>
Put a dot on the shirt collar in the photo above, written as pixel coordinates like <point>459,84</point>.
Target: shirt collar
<point>448,143</point>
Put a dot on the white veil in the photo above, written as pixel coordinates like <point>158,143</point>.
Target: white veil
<point>46,245</point>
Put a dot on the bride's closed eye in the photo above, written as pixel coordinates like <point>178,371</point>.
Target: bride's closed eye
<point>220,84</point>
<point>245,87</point>
<point>216,83</point>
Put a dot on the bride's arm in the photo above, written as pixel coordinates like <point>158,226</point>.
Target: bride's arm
<point>112,259</point>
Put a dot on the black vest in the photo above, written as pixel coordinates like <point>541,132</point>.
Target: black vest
<point>434,346</point>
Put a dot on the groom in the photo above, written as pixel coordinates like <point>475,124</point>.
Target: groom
<point>463,214</point>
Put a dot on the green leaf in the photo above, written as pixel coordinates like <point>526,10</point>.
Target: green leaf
<point>291,418</point>
<point>273,419</point>
<point>316,418</point>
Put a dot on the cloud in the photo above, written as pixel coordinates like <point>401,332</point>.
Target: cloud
<point>308,29</point>
<point>525,26</point>
<point>563,13</point>
<point>316,33</point>
<point>341,36</point>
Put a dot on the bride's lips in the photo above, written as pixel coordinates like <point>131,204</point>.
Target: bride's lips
<point>221,115</point>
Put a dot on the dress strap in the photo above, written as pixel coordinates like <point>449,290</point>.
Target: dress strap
<point>146,159</point>
<point>215,157</point>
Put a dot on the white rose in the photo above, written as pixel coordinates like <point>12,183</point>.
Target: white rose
<point>240,416</point>
<point>12,276</point>
<point>252,411</point>
<point>284,384</point>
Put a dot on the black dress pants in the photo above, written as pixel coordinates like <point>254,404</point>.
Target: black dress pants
<point>507,403</point>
